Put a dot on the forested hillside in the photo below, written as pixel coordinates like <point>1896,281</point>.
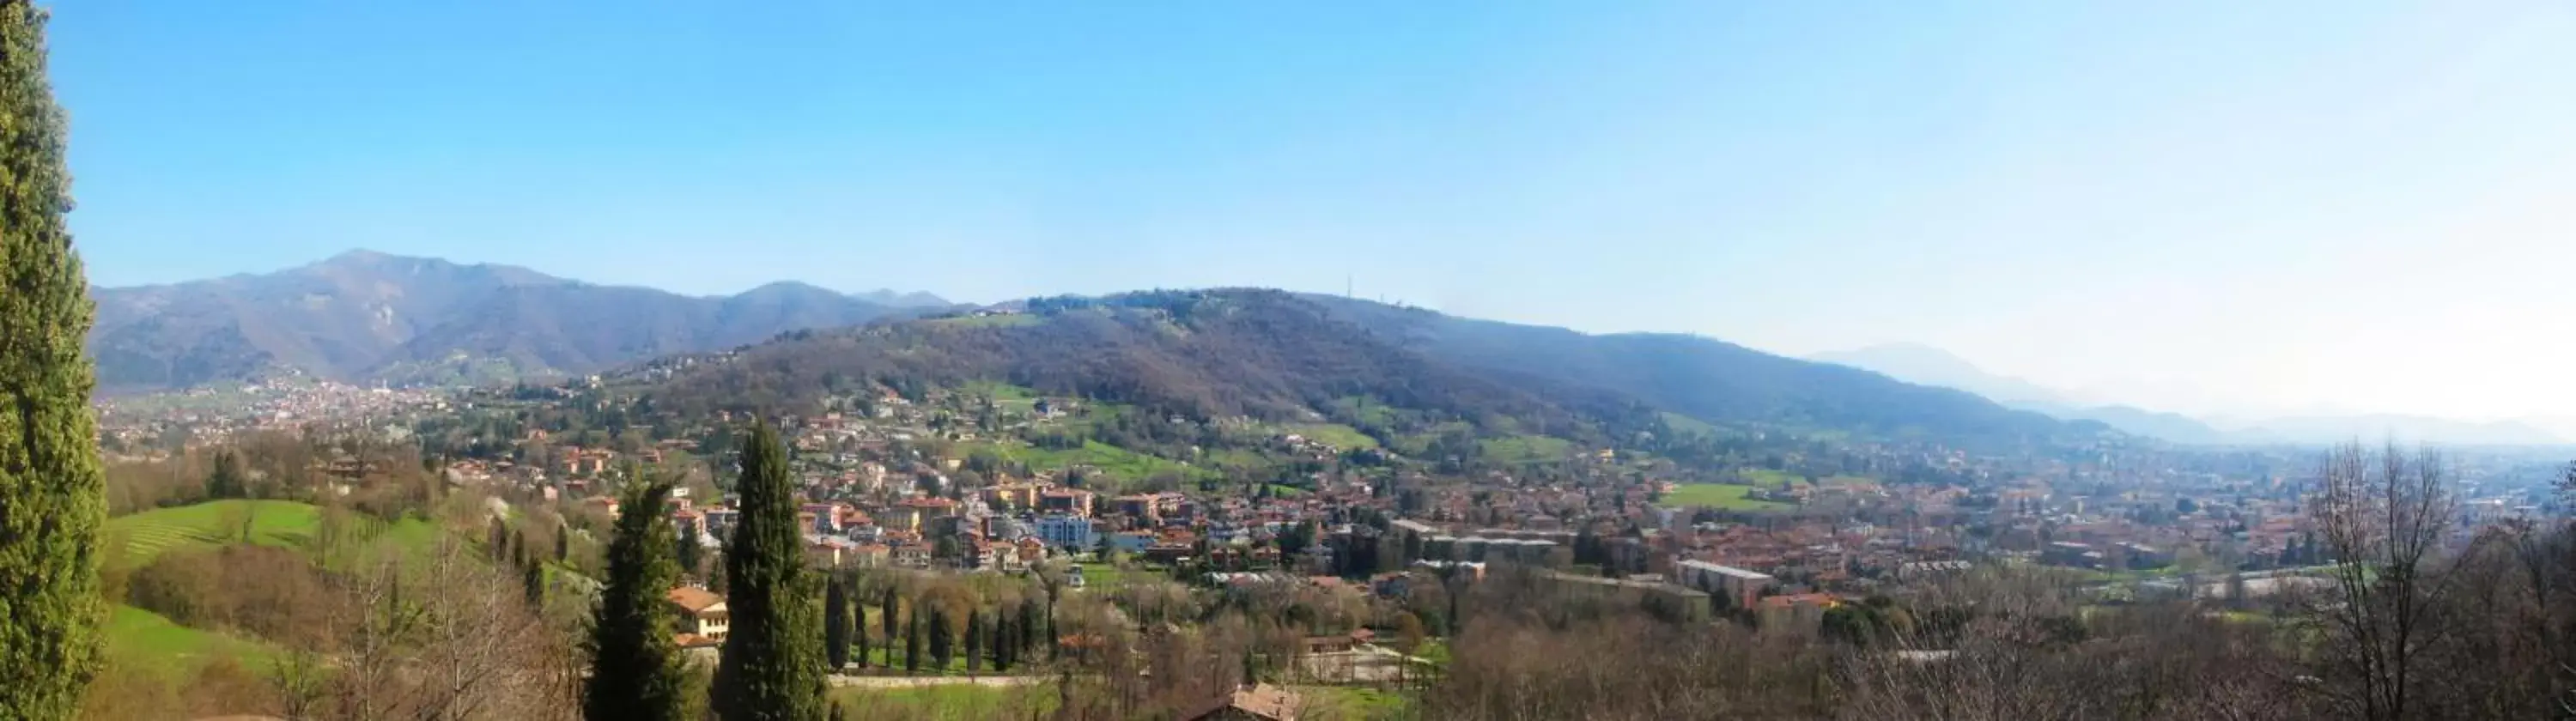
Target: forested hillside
<point>364,316</point>
<point>1262,354</point>
<point>1714,380</point>
<point>1271,355</point>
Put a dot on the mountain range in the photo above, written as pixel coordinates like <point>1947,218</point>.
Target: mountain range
<point>1933,366</point>
<point>367,316</point>
<point>1390,371</point>
<point>372,317</point>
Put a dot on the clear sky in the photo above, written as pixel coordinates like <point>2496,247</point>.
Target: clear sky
<point>2220,206</point>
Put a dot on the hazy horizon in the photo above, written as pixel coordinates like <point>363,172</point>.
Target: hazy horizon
<point>2194,207</point>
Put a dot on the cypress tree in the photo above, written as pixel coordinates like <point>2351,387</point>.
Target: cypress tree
<point>52,496</point>
<point>1031,630</point>
<point>941,640</point>
<point>226,480</point>
<point>637,671</point>
<point>1000,642</point>
<point>912,646</point>
<point>886,616</point>
<point>532,581</point>
<point>974,641</point>
<point>772,669</point>
<point>497,541</point>
<point>836,624</point>
<point>690,553</point>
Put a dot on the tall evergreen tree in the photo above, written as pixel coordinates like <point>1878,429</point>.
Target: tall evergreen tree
<point>637,671</point>
<point>888,615</point>
<point>226,481</point>
<point>497,541</point>
<point>1000,644</point>
<point>1032,625</point>
<point>52,496</point>
<point>912,645</point>
<point>974,641</point>
<point>690,553</point>
<point>836,624</point>
<point>942,640</point>
<point>772,668</point>
<point>532,582</point>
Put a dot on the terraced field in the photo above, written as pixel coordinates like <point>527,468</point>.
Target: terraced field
<point>147,535</point>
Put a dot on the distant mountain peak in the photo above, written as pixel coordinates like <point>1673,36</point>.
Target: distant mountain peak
<point>789,287</point>
<point>896,299</point>
<point>365,314</point>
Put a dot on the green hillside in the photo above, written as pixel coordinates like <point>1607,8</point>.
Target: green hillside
<point>137,638</point>
<point>147,535</point>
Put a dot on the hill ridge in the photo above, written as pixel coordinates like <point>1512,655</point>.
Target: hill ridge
<point>365,315</point>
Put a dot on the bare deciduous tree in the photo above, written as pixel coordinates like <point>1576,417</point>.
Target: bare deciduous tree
<point>2384,516</point>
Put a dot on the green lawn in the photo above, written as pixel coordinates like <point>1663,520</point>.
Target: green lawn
<point>1370,411</point>
<point>1525,449</point>
<point>954,702</point>
<point>137,638</point>
<point>1767,478</point>
<point>1116,463</point>
<point>1006,396</point>
<point>149,534</point>
<point>1686,424</point>
<point>1350,703</point>
<point>1725,496</point>
<point>1104,577</point>
<point>1337,435</point>
<point>1434,650</point>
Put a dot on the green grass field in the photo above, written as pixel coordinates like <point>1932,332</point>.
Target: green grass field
<point>137,638</point>
<point>149,534</point>
<point>1725,496</point>
<point>1525,449</point>
<point>1104,577</point>
<point>1370,411</point>
<point>1767,478</point>
<point>954,702</point>
<point>1687,424</point>
<point>1338,435</point>
<point>1117,463</point>
<point>1346,703</point>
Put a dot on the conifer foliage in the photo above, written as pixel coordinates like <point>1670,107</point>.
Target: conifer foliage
<point>52,498</point>
<point>772,668</point>
<point>637,671</point>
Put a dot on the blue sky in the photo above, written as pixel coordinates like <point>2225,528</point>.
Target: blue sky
<point>2215,207</point>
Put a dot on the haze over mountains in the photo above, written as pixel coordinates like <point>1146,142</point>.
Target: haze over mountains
<point>1282,356</point>
<point>371,317</point>
<point>366,316</point>
<point>1932,366</point>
